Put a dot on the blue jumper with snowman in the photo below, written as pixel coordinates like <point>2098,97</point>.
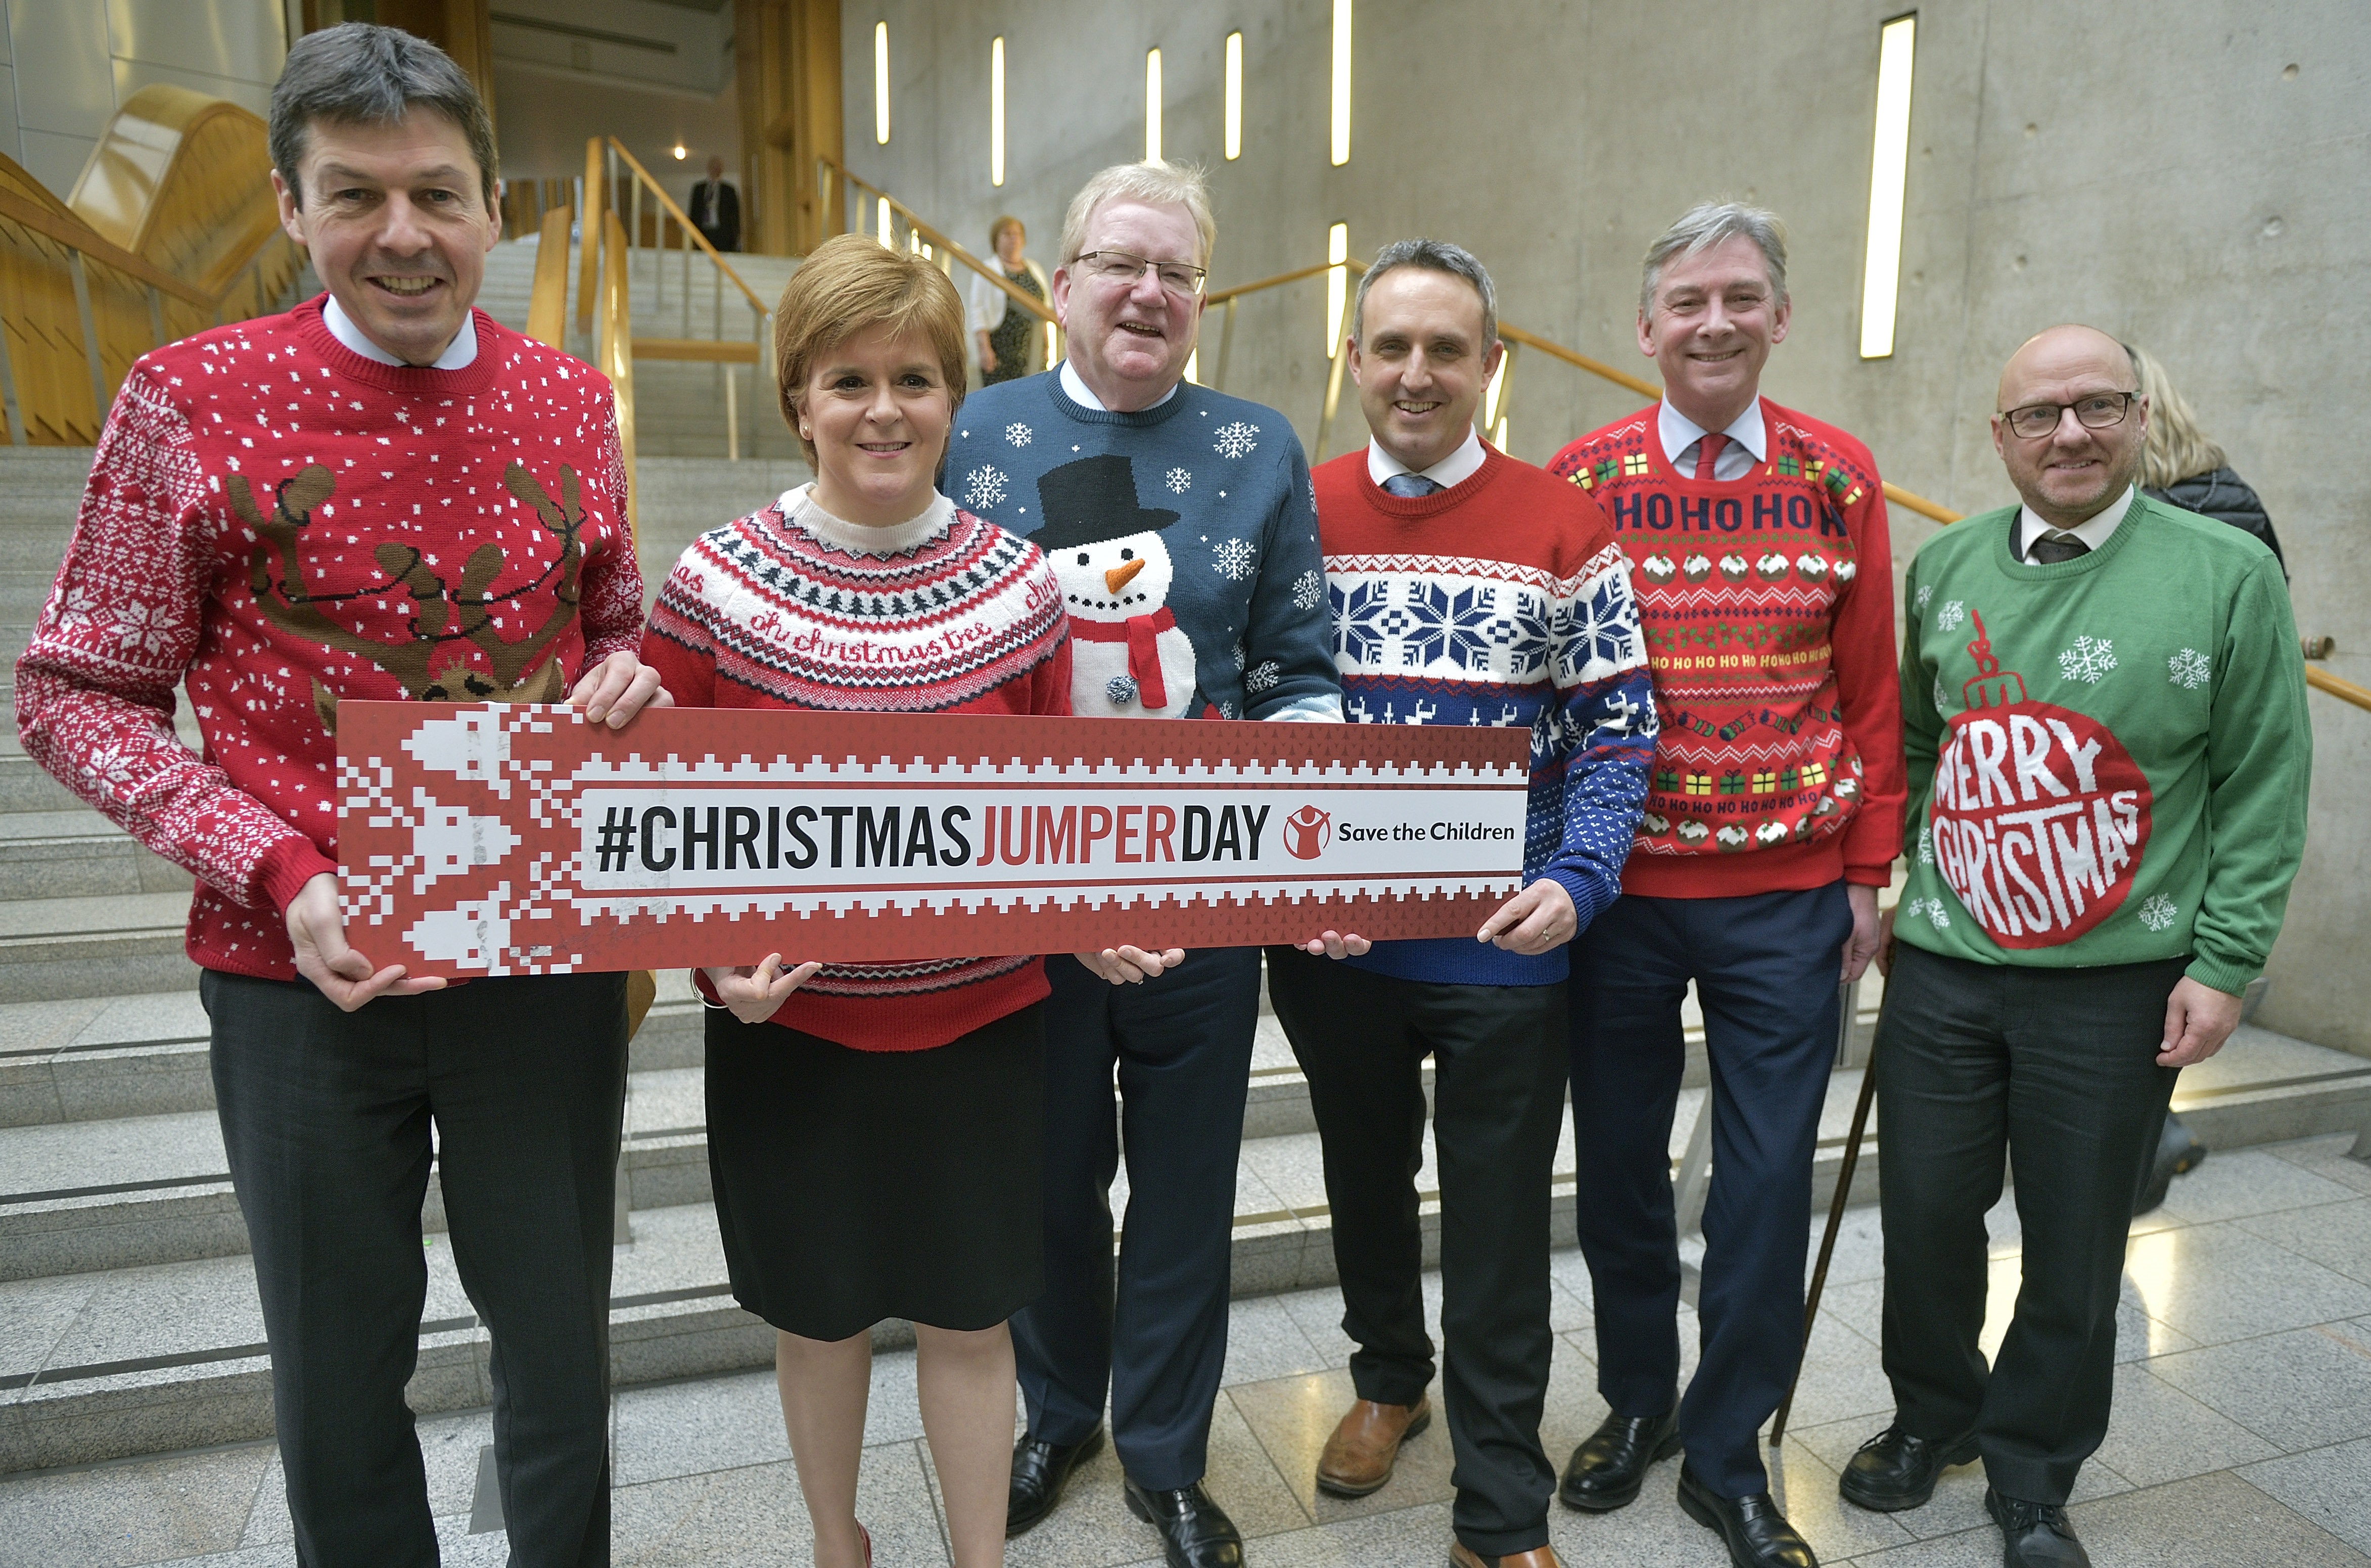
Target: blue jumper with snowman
<point>1185,539</point>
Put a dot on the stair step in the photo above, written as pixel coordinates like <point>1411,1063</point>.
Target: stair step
<point>59,948</point>
<point>78,853</point>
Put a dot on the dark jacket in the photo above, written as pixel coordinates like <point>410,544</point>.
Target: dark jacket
<point>2223,495</point>
<point>716,209</point>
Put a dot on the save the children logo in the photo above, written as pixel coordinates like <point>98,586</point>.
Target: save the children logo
<point>1307,832</point>
<point>2040,815</point>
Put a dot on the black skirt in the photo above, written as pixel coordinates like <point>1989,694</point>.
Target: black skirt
<point>857,1185</point>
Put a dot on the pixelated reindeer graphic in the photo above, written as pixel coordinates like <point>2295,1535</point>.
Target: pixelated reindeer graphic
<point>430,669</point>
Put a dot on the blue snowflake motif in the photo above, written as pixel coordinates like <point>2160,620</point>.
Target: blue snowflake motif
<point>1426,637</point>
<point>1604,633</point>
<point>1477,631</point>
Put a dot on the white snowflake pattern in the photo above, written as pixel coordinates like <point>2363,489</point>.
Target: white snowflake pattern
<point>1235,440</point>
<point>1233,560</point>
<point>1178,481</point>
<point>2089,659</point>
<point>1018,433</point>
<point>983,486</point>
<point>1925,593</point>
<point>2158,912</point>
<point>1241,655</point>
<point>142,625</point>
<point>1932,908</point>
<point>1941,696</point>
<point>1263,678</point>
<point>80,606</point>
<point>1925,846</point>
<point>2189,670</point>
<point>1226,709</point>
<point>110,764</point>
<point>1308,590</point>
<point>1950,615</point>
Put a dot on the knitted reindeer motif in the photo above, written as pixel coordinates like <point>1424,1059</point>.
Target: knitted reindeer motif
<point>442,615</point>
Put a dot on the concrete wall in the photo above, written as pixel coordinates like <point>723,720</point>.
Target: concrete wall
<point>71,63</point>
<point>2193,175</point>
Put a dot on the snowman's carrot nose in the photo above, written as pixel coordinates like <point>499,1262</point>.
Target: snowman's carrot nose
<point>1119,578</point>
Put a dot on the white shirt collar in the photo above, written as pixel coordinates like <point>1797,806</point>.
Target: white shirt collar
<point>1074,385</point>
<point>1451,470</point>
<point>857,539</point>
<point>1678,431</point>
<point>2093,530</point>
<point>461,351</point>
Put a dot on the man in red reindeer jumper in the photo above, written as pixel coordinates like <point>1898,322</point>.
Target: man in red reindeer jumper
<point>380,494</point>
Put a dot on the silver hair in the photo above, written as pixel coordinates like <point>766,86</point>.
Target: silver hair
<point>1433,256</point>
<point>1154,184</point>
<point>1708,223</point>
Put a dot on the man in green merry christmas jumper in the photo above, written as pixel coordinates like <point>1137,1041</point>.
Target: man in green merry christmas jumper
<point>2109,750</point>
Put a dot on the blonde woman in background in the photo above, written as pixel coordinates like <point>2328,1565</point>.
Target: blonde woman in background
<point>2183,469</point>
<point>1009,339</point>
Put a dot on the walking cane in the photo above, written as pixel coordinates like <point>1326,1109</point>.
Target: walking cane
<point>1835,1218</point>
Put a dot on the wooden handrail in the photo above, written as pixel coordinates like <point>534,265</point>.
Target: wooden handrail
<point>1029,302</point>
<point>613,345</point>
<point>1597,367</point>
<point>76,236</point>
<point>2338,686</point>
<point>547,310</point>
<point>690,232</point>
<point>1235,291</point>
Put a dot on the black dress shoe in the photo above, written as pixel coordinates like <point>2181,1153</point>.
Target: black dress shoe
<point>1610,1466</point>
<point>1895,1471</point>
<point>1195,1531</point>
<point>1040,1471</point>
<point>2034,1534</point>
<point>1757,1535</point>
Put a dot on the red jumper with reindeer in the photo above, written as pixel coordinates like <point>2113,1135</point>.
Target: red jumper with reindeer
<point>283,523</point>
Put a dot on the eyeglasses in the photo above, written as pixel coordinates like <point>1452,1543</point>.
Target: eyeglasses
<point>2097,412</point>
<point>1122,268</point>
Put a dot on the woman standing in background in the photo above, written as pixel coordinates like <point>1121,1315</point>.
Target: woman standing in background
<point>1007,336</point>
<point>2182,468</point>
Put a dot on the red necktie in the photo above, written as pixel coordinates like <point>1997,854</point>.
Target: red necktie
<point>1708,453</point>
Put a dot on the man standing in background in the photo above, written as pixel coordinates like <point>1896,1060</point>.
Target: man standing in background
<point>715,209</point>
<point>1757,538</point>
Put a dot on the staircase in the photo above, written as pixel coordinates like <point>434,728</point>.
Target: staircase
<point>128,1317</point>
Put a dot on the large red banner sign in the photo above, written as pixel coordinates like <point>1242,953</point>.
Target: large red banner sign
<point>520,840</point>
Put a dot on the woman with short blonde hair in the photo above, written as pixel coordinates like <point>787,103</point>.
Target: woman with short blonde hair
<point>875,1130</point>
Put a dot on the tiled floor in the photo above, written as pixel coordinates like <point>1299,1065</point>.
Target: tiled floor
<point>2242,1432</point>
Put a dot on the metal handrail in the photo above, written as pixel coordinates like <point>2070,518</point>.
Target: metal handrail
<point>939,243</point>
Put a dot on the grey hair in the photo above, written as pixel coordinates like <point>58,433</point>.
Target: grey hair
<point>359,74</point>
<point>1708,223</point>
<point>1154,184</point>
<point>1433,256</point>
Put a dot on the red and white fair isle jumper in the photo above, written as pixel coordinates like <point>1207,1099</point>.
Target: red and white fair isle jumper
<point>283,523</point>
<point>1767,601</point>
<point>792,608</point>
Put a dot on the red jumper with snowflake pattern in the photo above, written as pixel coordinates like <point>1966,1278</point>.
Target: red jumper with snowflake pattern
<point>1767,602</point>
<point>280,523</point>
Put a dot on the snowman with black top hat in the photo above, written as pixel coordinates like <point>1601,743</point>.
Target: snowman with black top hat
<point>1129,659</point>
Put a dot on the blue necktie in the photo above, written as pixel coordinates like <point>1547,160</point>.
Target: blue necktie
<point>1410,486</point>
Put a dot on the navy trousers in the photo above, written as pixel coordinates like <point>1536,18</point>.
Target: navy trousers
<point>1765,967</point>
<point>1156,1338</point>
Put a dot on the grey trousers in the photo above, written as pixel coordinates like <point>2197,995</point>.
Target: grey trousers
<point>326,1116</point>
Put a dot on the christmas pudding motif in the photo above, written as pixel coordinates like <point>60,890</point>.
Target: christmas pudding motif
<point>1657,569</point>
<point>1847,789</point>
<point>1812,568</point>
<point>1803,828</point>
<point>1696,568</point>
<point>1655,826</point>
<point>1693,833</point>
<point>1770,835</point>
<point>1733,568</point>
<point>1846,570</point>
<point>1771,567</point>
<point>1733,838</point>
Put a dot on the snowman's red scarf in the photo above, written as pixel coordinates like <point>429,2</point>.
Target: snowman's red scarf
<point>1138,631</point>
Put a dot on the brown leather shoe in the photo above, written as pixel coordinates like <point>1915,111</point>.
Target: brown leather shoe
<point>1460,1556</point>
<point>1359,1457</point>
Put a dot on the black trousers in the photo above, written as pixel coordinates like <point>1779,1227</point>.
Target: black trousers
<point>1156,1339</point>
<point>1498,1074</point>
<point>1766,967</point>
<point>2056,1069</point>
<point>326,1116</point>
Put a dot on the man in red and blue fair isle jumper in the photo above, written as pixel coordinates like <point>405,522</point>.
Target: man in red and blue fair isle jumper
<point>380,495</point>
<point>1757,540</point>
<point>1465,589</point>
